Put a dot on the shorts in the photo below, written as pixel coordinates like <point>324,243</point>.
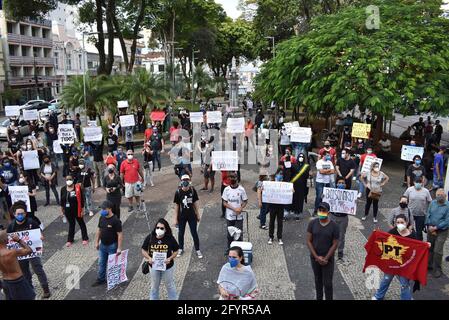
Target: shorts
<point>130,190</point>
<point>208,174</point>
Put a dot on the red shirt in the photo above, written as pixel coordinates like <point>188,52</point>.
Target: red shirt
<point>111,160</point>
<point>332,153</point>
<point>363,157</point>
<point>130,170</point>
<point>225,180</point>
<point>148,133</point>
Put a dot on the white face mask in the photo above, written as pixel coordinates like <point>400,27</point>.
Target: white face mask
<point>21,180</point>
<point>401,227</point>
<point>376,169</point>
<point>69,182</point>
<point>160,233</point>
<point>29,146</point>
<point>130,156</point>
<point>81,166</point>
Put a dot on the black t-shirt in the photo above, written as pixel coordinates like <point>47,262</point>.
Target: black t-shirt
<point>322,236</point>
<point>72,201</point>
<point>415,172</point>
<point>419,128</point>
<point>186,199</point>
<point>84,177</point>
<point>112,142</point>
<point>140,116</point>
<point>98,151</point>
<point>108,229</point>
<point>147,156</point>
<point>167,244</point>
<point>438,129</point>
<point>395,232</point>
<point>156,141</point>
<point>113,183</point>
<point>345,166</point>
<point>29,224</point>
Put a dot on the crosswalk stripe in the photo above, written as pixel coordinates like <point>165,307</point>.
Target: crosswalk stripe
<point>57,267</point>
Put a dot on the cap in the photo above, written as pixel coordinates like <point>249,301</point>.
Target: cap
<point>324,205</point>
<point>442,148</point>
<point>106,205</point>
<point>185,177</point>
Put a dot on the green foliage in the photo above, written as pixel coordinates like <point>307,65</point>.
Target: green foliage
<point>19,9</point>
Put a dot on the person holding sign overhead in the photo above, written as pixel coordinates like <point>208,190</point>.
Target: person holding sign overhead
<point>374,182</point>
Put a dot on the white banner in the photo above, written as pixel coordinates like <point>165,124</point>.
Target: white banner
<point>30,160</point>
<point>302,135</point>
<point>12,111</point>
<point>57,147</point>
<point>66,134</point>
<point>29,115</point>
<point>127,121</point>
<point>20,193</point>
<point>235,125</point>
<point>159,261</point>
<point>92,134</point>
<point>116,270</point>
<point>225,160</point>
<point>213,117</point>
<point>369,162</point>
<point>408,152</point>
<point>341,200</point>
<point>32,239</point>
<point>122,104</point>
<point>196,117</point>
<point>277,192</point>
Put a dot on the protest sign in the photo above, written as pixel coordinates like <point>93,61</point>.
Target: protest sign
<point>32,238</point>
<point>29,115</point>
<point>57,147</point>
<point>196,117</point>
<point>408,152</point>
<point>127,121</point>
<point>92,134</point>
<point>369,162</point>
<point>341,200</point>
<point>116,270</point>
<point>277,192</point>
<point>20,193</point>
<point>302,135</point>
<point>157,115</point>
<point>159,261</point>
<point>235,125</point>
<point>225,160</point>
<point>214,117</point>
<point>122,104</point>
<point>66,134</point>
<point>12,111</point>
<point>30,160</point>
<point>92,123</point>
<point>43,113</point>
<point>295,124</point>
<point>361,130</point>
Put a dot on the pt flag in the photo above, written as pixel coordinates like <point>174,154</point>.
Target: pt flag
<point>157,116</point>
<point>397,255</point>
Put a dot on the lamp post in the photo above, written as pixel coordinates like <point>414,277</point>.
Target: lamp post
<point>35,77</point>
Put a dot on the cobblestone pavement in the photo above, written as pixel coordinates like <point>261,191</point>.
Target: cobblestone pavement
<point>282,272</point>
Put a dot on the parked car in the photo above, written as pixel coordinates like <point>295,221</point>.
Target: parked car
<point>23,127</point>
<point>38,105</point>
<point>29,103</point>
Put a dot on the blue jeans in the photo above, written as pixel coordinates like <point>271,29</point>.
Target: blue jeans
<point>263,214</point>
<point>361,185</point>
<point>103,254</point>
<point>437,183</point>
<point>87,199</point>
<point>406,292</point>
<point>319,188</point>
<point>157,158</point>
<point>169,280</point>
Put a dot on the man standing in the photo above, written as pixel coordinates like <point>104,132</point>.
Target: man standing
<point>418,202</point>
<point>131,174</point>
<point>324,173</point>
<point>438,169</point>
<point>77,126</point>
<point>108,240</point>
<point>322,240</point>
<point>437,222</point>
<point>341,219</point>
<point>438,131</point>
<point>97,148</point>
<point>157,144</point>
<point>345,168</point>
<point>140,120</point>
<point>419,127</point>
<point>86,177</point>
<point>327,148</point>
<point>112,140</point>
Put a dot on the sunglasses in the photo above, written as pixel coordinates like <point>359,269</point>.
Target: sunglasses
<point>159,228</point>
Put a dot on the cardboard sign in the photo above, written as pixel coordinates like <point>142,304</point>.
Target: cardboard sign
<point>30,160</point>
<point>57,147</point>
<point>341,200</point>
<point>159,261</point>
<point>32,239</point>
<point>116,270</point>
<point>369,162</point>
<point>408,152</point>
<point>92,123</point>
<point>361,130</point>
<point>225,160</point>
<point>127,121</point>
<point>196,117</point>
<point>12,111</point>
<point>29,115</point>
<point>301,135</point>
<point>66,134</point>
<point>20,193</point>
<point>214,117</point>
<point>235,125</point>
<point>277,192</point>
<point>92,134</point>
<point>122,104</point>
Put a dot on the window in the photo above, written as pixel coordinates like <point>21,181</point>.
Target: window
<point>57,60</point>
<point>14,71</point>
<point>69,61</point>
<point>10,27</point>
<point>36,52</point>
<point>25,51</point>
<point>22,30</point>
<point>80,60</point>
<point>28,71</point>
<point>161,68</point>
<point>12,50</point>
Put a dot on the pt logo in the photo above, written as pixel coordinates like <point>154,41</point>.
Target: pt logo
<point>391,249</point>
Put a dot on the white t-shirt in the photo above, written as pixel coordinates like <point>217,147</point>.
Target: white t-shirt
<point>323,165</point>
<point>235,198</point>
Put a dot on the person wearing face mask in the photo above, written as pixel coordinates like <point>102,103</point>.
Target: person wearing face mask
<point>52,136</point>
<point>236,280</point>
<point>161,241</point>
<point>345,168</point>
<point>276,213</point>
<point>112,140</point>
<point>234,200</point>
<point>416,170</point>
<point>186,211</point>
<point>14,144</point>
<point>72,204</point>
<point>322,241</point>
<point>149,132</point>
<point>9,173</point>
<point>346,137</point>
<point>147,153</point>
<point>108,240</point>
<point>402,209</point>
<point>22,222</point>
<point>374,181</point>
<point>120,157</point>
<point>325,171</point>
<point>360,146</point>
<point>131,173</point>
<point>23,181</point>
<point>342,220</point>
<point>74,164</point>
<point>157,144</point>
<point>113,185</point>
<point>437,224</point>
<point>32,173</point>
<point>418,202</point>
<point>97,148</point>
<point>301,190</point>
<point>140,120</point>
<point>86,177</point>
<point>327,148</point>
<point>401,230</point>
<point>284,140</point>
<point>49,176</point>
<point>129,139</point>
<point>438,169</point>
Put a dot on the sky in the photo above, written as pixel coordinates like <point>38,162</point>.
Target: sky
<point>230,7</point>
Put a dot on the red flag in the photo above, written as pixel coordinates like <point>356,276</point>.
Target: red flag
<point>397,255</point>
<point>157,116</point>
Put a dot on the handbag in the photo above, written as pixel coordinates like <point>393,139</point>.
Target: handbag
<point>145,267</point>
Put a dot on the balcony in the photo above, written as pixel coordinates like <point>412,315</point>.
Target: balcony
<point>32,41</point>
<point>29,80</point>
<point>14,60</point>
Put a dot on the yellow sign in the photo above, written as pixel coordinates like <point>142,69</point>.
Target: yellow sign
<point>361,130</point>
<point>392,249</point>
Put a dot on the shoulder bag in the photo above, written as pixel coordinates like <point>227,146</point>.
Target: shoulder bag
<point>373,195</point>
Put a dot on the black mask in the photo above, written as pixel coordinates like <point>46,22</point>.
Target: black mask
<point>403,205</point>
<point>111,170</point>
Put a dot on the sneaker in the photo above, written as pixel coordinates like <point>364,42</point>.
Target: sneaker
<point>359,195</point>
<point>46,294</point>
<point>270,241</point>
<point>199,254</point>
<point>374,298</point>
<point>446,259</point>
<point>363,218</point>
<point>152,184</point>
<point>91,214</point>
<point>98,283</point>
<point>263,227</point>
<point>64,219</point>
<point>437,273</point>
<point>375,220</point>
<point>180,252</point>
<point>280,242</point>
<point>258,217</point>
<point>85,242</point>
<point>68,244</point>
<point>130,209</point>
<point>203,189</point>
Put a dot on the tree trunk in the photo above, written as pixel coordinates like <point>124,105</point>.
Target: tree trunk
<point>136,33</point>
<point>379,127</point>
<point>121,40</point>
<point>184,72</point>
<point>100,43</point>
<point>110,12</point>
